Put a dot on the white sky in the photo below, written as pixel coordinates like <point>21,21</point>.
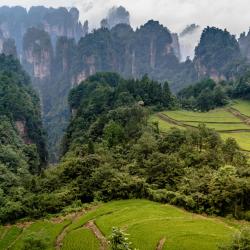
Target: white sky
<point>175,14</point>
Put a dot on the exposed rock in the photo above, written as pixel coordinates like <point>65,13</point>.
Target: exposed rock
<point>176,45</point>
<point>38,53</point>
<point>217,54</point>
<point>244,43</point>
<point>116,15</point>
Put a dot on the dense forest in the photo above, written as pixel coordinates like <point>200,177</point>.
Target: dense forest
<point>110,151</point>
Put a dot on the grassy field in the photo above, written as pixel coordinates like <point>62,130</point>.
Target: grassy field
<point>80,239</point>
<point>146,223</point>
<point>243,139</point>
<point>217,115</point>
<point>222,120</point>
<point>9,236</point>
<point>46,230</point>
<point>221,126</point>
<point>163,125</point>
<point>242,106</point>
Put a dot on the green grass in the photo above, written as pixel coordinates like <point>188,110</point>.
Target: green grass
<point>218,119</point>
<point>221,126</point>
<point>80,239</point>
<point>2,231</point>
<point>243,139</point>
<point>9,237</point>
<point>164,126</point>
<point>45,230</point>
<point>147,222</point>
<point>243,106</point>
<point>217,115</point>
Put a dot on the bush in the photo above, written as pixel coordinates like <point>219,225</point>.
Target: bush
<point>119,240</point>
<point>33,243</point>
<point>241,241</point>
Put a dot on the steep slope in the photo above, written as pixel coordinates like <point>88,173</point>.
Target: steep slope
<point>218,54</point>
<point>22,139</point>
<point>20,106</point>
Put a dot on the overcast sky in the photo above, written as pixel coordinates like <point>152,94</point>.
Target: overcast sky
<point>175,14</point>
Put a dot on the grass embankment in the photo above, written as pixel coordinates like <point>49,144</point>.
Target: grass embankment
<point>243,106</point>
<point>146,223</point>
<point>223,120</point>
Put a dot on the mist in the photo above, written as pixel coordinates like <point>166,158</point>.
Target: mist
<point>174,14</point>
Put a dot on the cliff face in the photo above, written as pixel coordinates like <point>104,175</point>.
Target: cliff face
<point>37,54</point>
<point>58,53</point>
<point>244,43</point>
<point>148,50</point>
<point>116,15</point>
<point>14,22</point>
<point>216,54</point>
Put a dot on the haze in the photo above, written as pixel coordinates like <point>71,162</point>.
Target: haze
<point>175,14</point>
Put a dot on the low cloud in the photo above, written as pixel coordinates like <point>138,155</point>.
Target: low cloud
<point>175,14</point>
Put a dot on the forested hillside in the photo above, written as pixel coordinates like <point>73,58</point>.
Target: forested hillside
<point>112,151</point>
<point>22,138</point>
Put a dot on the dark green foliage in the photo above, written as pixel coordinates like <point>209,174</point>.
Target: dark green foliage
<point>19,103</point>
<point>110,152</point>
<point>242,87</point>
<point>99,100</point>
<point>204,96</point>
<point>241,240</point>
<point>34,243</point>
<point>22,140</point>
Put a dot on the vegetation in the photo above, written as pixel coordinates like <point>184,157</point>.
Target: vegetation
<point>119,240</point>
<point>112,152</point>
<point>137,219</point>
<point>218,52</point>
<point>241,240</point>
<point>22,141</point>
<point>80,239</point>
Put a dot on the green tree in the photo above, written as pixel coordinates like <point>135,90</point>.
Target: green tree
<point>118,240</point>
<point>113,134</point>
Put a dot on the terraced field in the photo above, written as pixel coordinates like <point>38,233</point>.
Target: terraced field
<point>242,106</point>
<point>146,222</point>
<point>232,121</point>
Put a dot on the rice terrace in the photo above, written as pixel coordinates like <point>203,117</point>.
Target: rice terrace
<point>231,121</point>
<point>146,223</point>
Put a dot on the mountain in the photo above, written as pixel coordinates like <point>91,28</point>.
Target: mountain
<point>14,22</point>
<point>217,54</point>
<point>244,43</point>
<point>59,52</point>
<point>116,15</point>
<point>151,49</point>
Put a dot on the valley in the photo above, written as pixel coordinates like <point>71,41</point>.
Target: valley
<point>122,137</point>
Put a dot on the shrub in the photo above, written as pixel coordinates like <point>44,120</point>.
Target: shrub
<point>241,241</point>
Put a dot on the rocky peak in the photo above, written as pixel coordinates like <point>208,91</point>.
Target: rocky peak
<point>216,52</point>
<point>38,53</point>
<point>116,15</point>
<point>244,43</point>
